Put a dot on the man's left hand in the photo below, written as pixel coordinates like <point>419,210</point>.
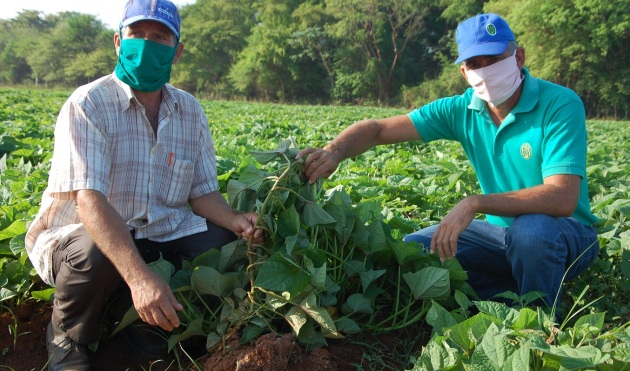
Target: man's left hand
<point>444,239</point>
<point>245,226</point>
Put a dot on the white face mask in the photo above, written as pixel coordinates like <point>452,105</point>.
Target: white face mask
<point>497,82</point>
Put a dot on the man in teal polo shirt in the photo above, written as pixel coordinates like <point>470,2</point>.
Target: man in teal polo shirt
<point>526,139</point>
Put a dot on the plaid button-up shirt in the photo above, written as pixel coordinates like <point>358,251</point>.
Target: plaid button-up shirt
<point>104,142</point>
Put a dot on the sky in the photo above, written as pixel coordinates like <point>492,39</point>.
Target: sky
<point>108,11</point>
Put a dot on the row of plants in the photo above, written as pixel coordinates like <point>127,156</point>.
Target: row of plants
<point>333,264</point>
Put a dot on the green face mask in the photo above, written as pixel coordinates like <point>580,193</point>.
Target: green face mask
<point>143,64</point>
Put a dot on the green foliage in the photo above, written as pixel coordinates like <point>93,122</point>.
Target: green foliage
<point>328,268</point>
<point>351,51</point>
<point>65,49</point>
<point>504,338</point>
<point>25,148</point>
<point>213,32</point>
<point>333,263</point>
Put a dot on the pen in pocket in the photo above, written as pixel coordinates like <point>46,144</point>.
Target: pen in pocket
<point>170,158</point>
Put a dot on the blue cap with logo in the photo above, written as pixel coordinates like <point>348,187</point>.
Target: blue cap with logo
<point>484,34</point>
<point>162,11</point>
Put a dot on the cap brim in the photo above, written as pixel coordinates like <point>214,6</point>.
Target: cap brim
<point>493,48</point>
<point>139,18</point>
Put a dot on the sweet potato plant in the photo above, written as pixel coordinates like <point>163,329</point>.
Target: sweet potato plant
<point>328,267</point>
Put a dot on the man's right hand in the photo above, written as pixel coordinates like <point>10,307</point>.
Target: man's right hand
<point>317,162</point>
<point>154,301</point>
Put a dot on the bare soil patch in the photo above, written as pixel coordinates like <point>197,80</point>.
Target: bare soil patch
<point>27,351</point>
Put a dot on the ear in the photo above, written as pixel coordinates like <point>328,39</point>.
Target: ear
<point>178,52</point>
<point>462,69</point>
<point>520,57</point>
<point>117,42</point>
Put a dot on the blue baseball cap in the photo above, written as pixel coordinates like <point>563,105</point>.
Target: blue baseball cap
<point>162,11</point>
<point>483,34</point>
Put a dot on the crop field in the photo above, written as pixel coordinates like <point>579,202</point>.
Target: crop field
<point>333,264</point>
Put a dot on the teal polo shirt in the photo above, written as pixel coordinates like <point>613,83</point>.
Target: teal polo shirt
<point>544,135</point>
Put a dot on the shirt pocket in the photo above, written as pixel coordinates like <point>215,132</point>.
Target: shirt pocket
<point>175,186</point>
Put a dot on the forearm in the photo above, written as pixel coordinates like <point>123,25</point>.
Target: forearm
<point>546,199</point>
<point>111,235</point>
<point>215,209</point>
<point>354,140</point>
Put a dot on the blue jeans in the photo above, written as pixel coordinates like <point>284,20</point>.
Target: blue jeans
<point>532,254</point>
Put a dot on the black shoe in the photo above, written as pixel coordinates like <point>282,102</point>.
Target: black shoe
<point>64,353</point>
<point>149,340</point>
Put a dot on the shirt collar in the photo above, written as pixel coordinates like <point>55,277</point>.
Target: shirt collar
<point>167,96</point>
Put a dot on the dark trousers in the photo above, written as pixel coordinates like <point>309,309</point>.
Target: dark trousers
<point>85,278</point>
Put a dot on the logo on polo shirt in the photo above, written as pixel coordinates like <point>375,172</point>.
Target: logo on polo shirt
<point>526,151</point>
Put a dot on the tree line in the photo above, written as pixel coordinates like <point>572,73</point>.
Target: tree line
<point>387,52</point>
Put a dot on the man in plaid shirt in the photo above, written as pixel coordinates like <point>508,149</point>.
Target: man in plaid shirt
<point>133,177</point>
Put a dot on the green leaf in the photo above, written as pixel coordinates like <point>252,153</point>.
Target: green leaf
<point>462,300</point>
<point>439,318</point>
<point>346,325</point>
<point>494,351</point>
<point>252,177</point>
<point>594,323</point>
<point>284,148</point>
<point>208,281</point>
<point>367,277</point>
<point>625,259</point>
<point>289,244</point>
<point>213,339</point>
<point>455,270</point>
<point>313,215</point>
<point>45,295</point>
<point>17,245</point>
<point>9,144</point>
<point>436,356</point>
<point>250,332</point>
<point>406,251</point>
<point>357,303</point>
<point>180,281</point>
<point>240,196</point>
<point>429,282</point>
<point>296,318</point>
<point>320,315</point>
<point>209,258</point>
<point>281,274</point>
<point>498,310</point>
<point>16,228</point>
<point>288,222</point>
<point>16,272</point>
<point>194,328</point>
<point>580,357</point>
<point>527,319</point>
<point>309,336</point>
<point>129,317</point>
<point>318,274</point>
<point>163,268</point>
<point>520,359</point>
<point>6,294</point>
<point>232,253</point>
<point>377,240</point>
<point>466,334</point>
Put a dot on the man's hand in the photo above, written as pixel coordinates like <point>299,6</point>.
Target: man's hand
<point>318,162</point>
<point>244,225</point>
<point>154,301</point>
<point>152,297</point>
<point>444,239</point>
